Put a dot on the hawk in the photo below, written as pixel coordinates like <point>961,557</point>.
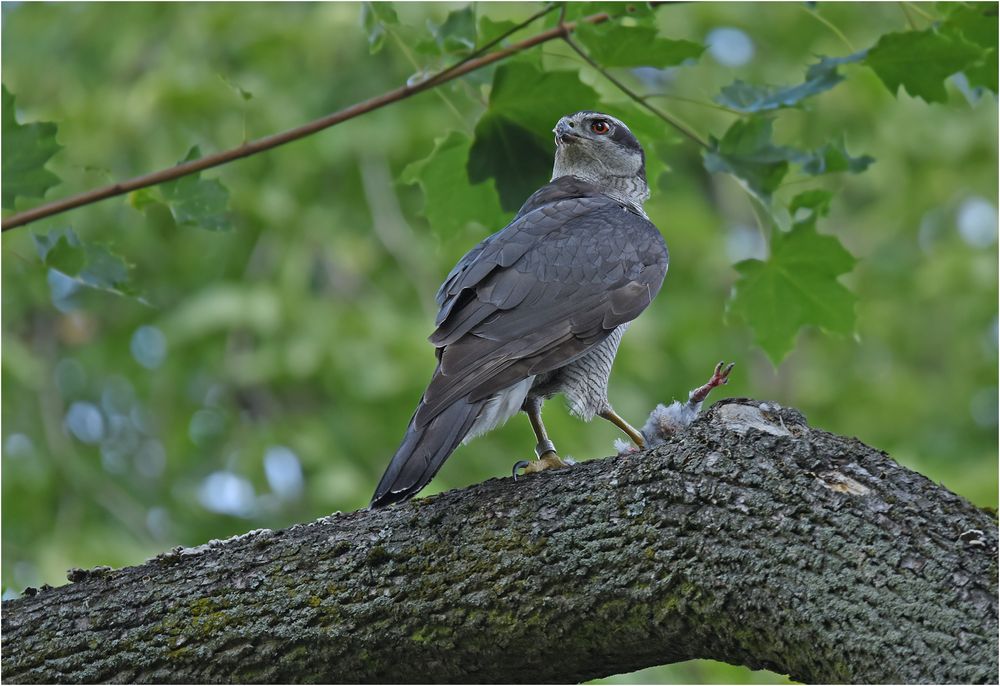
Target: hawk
<point>540,307</point>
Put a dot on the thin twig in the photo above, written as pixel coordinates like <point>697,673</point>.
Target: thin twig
<point>668,118</point>
<point>413,62</point>
<point>499,39</point>
<point>466,65</point>
<point>830,25</point>
<point>909,17</point>
<point>916,8</point>
<point>692,101</point>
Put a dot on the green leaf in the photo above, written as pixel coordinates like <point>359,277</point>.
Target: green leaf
<point>576,10</point>
<point>832,158</point>
<point>514,156</point>
<point>374,17</point>
<point>194,201</point>
<point>820,77</point>
<point>458,32</point>
<point>920,61</point>
<point>747,152</point>
<point>90,265</point>
<point>450,201</point>
<point>983,74</point>
<point>613,45</point>
<point>977,22</point>
<point>490,30</point>
<point>817,202</point>
<point>144,197</point>
<point>513,139</point>
<point>796,287</point>
<point>60,249</point>
<point>26,149</point>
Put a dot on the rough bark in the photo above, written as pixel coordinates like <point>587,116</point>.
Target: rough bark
<point>749,538</point>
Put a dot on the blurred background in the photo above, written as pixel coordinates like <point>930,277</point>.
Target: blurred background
<point>267,373</point>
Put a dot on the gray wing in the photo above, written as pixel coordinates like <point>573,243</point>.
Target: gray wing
<point>570,268</point>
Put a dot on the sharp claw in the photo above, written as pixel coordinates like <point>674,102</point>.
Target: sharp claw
<point>520,464</point>
<point>725,373</point>
<point>720,377</point>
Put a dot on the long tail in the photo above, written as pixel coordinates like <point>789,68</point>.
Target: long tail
<point>423,451</point>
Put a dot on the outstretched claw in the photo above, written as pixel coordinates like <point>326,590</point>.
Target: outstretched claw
<point>545,461</point>
<point>666,420</point>
<point>720,377</point>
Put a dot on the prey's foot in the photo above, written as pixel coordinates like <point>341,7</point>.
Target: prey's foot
<point>720,377</point>
<point>548,460</point>
<point>666,420</point>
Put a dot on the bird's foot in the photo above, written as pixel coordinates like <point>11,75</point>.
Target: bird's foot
<point>666,420</point>
<point>549,460</point>
<point>720,377</point>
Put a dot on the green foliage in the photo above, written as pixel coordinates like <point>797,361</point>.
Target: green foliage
<point>298,341</point>
<point>450,201</point>
<point>512,141</point>
<point>797,285</point>
<point>375,16</point>
<point>490,30</point>
<point>90,265</point>
<point>832,158</point>
<point>576,10</point>
<point>194,201</point>
<point>747,152</point>
<point>977,24</point>
<point>920,61</point>
<point>816,201</point>
<point>191,200</point>
<point>26,149</point>
<point>457,34</point>
<point>615,45</point>
<point>820,77</point>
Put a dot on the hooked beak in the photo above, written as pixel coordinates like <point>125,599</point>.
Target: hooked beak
<point>564,132</point>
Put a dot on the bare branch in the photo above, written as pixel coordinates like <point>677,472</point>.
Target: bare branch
<point>466,65</point>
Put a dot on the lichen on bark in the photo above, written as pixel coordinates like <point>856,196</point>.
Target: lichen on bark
<point>750,538</point>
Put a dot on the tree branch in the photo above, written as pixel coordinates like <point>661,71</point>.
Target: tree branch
<point>750,538</point>
<point>641,101</point>
<point>464,66</point>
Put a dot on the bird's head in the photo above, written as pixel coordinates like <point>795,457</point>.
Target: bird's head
<point>600,149</point>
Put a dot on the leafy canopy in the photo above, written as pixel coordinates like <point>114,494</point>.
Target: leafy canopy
<point>797,285</point>
<point>483,178</point>
<point>920,61</point>
<point>512,143</point>
<point>26,149</point>
<point>615,45</point>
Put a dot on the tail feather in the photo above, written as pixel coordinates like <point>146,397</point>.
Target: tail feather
<point>424,450</point>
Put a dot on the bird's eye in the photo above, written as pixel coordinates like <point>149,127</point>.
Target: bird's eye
<point>600,127</point>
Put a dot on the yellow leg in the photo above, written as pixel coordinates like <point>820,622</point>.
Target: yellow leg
<point>545,450</point>
<point>629,430</point>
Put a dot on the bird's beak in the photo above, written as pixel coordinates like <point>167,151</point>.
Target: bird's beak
<point>564,133</point>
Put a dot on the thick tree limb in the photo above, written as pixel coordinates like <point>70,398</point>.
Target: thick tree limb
<point>749,538</point>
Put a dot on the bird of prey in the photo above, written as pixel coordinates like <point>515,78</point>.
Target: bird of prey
<point>540,307</point>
